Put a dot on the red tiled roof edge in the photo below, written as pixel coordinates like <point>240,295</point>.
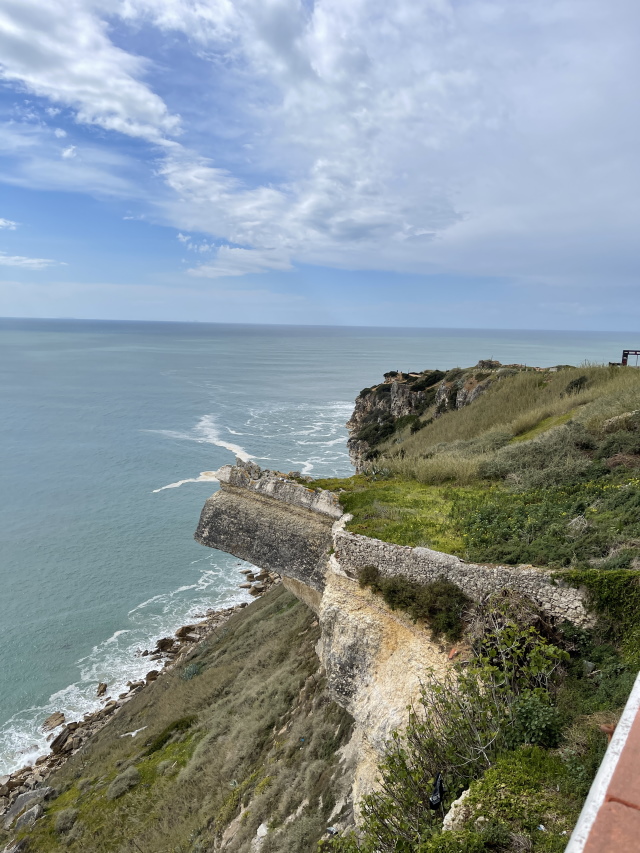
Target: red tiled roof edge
<point>597,796</point>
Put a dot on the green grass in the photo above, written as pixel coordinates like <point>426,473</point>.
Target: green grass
<point>404,512</point>
<point>544,425</point>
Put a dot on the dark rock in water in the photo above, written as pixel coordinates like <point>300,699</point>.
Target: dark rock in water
<point>52,722</point>
<point>164,644</point>
<point>186,629</point>
<point>102,689</point>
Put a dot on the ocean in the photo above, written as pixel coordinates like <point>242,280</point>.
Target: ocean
<point>109,434</point>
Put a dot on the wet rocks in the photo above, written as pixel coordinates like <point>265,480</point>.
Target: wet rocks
<point>52,722</point>
<point>73,736</point>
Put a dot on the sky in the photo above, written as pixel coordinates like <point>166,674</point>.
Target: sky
<point>437,163</point>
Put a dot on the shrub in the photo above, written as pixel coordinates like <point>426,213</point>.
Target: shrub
<point>181,725</point>
<point>440,603</point>
<point>123,783</point>
<point>191,670</point>
<point>65,820</point>
<point>576,385</point>
<point>466,718</point>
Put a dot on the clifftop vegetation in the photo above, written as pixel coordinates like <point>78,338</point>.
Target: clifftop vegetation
<point>543,468</point>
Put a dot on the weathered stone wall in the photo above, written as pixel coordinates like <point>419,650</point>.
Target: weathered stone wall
<point>271,534</point>
<point>272,484</point>
<point>555,598</point>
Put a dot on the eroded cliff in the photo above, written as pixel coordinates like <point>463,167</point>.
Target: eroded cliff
<point>375,658</point>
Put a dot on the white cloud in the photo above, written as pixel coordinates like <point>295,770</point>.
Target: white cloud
<point>60,133</point>
<point>26,263</point>
<point>495,137</point>
<point>60,49</point>
<point>9,224</point>
<point>69,153</point>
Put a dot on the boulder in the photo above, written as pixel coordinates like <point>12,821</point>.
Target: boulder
<point>57,744</point>
<point>102,689</point>
<point>17,846</point>
<point>27,801</point>
<point>29,817</point>
<point>151,676</point>
<point>164,644</point>
<point>185,631</point>
<point>52,722</point>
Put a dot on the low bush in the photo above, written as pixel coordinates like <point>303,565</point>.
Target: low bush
<point>440,603</point>
<point>123,783</point>
<point>65,819</point>
<point>177,727</point>
<point>467,719</point>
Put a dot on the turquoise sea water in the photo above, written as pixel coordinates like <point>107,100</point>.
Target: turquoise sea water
<point>105,429</point>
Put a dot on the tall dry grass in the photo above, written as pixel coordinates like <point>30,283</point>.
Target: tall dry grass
<point>454,446</point>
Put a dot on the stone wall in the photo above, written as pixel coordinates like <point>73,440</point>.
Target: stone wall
<point>556,598</point>
<point>268,525</point>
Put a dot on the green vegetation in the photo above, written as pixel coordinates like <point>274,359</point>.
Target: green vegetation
<point>254,731</point>
<point>401,511</point>
<point>543,468</point>
<point>517,726</point>
<point>178,726</point>
<point>440,603</point>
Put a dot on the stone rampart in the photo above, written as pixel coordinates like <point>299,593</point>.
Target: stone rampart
<point>556,598</point>
<point>270,521</point>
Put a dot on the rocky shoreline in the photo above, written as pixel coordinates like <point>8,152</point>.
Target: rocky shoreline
<point>23,791</point>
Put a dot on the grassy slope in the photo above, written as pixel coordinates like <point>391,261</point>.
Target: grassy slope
<point>264,735</point>
<point>528,473</point>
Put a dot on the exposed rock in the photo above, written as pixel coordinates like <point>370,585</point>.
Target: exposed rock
<point>458,814</point>
<point>56,719</point>
<point>26,801</point>
<point>17,847</point>
<point>29,817</point>
<point>102,689</point>
<point>151,676</point>
<point>58,743</point>
<point>290,534</point>
<point>165,644</point>
<point>184,631</point>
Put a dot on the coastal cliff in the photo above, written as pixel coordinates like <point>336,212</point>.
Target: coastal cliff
<point>469,610</point>
<point>411,401</point>
<point>375,658</point>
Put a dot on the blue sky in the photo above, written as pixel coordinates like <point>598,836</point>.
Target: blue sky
<point>460,163</point>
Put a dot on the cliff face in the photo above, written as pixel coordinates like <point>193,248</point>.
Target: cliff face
<point>374,658</point>
<point>413,399</point>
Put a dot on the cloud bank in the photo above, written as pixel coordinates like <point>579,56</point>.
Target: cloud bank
<point>497,137</point>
